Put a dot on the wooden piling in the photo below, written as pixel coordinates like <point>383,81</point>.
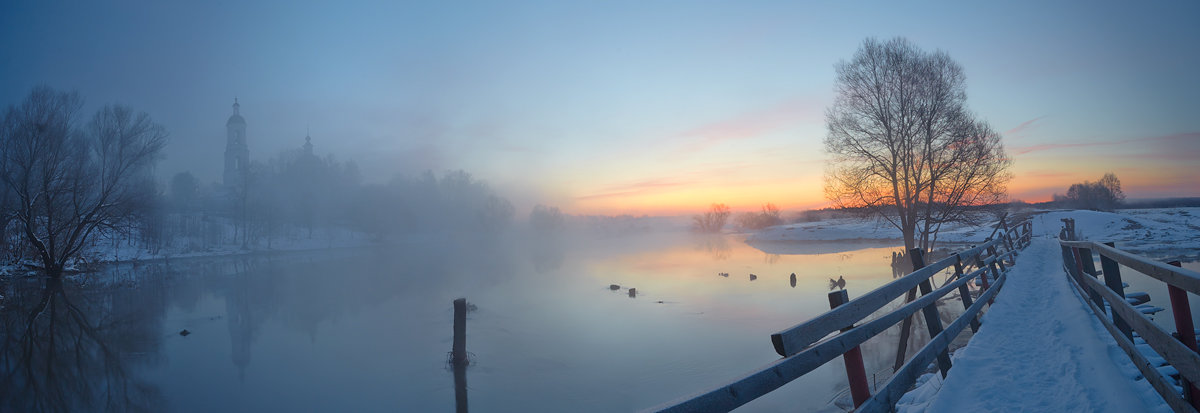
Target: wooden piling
<point>458,353</point>
<point>856,372</point>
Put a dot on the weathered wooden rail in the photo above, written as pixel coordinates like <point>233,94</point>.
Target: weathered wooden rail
<point>808,345</point>
<point>1123,320</point>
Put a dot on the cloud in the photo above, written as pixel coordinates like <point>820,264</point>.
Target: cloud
<point>1184,137</point>
<point>1027,126</point>
<point>634,188</point>
<point>750,125</point>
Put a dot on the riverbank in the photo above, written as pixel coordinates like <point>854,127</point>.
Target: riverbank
<point>1161,233</point>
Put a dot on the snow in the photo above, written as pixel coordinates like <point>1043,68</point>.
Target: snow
<point>1040,349</point>
<point>1162,233</point>
<point>860,229</point>
<point>1158,233</point>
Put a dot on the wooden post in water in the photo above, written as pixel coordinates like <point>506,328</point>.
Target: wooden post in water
<point>458,353</point>
<point>855,371</point>
<point>930,311</point>
<point>1182,310</point>
<point>1112,279</point>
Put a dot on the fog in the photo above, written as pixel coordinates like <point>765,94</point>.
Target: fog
<point>271,206</point>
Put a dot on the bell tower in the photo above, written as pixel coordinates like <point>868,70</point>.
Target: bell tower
<point>237,155</point>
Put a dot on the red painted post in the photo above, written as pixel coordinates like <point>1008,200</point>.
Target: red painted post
<point>1182,310</point>
<point>855,371</point>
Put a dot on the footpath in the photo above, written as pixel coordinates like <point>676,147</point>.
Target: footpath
<point>1040,350</point>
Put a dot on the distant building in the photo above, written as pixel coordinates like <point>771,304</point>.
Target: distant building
<point>237,154</point>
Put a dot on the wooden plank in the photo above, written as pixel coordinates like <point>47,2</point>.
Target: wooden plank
<point>774,375</point>
<point>1184,359</point>
<point>1164,387</point>
<point>885,399</point>
<point>794,339</point>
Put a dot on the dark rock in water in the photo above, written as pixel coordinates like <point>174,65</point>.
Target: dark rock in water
<point>632,292</point>
<point>614,287</point>
<point>184,332</point>
<point>723,274</point>
<point>753,277</point>
<point>660,301</point>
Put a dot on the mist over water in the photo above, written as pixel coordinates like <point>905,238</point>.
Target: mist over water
<point>369,329</point>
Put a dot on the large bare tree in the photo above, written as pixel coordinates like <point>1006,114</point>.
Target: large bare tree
<point>903,145</point>
<point>69,183</point>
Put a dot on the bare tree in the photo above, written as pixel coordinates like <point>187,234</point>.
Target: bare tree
<point>69,183</point>
<point>904,146</point>
<point>712,220</point>
<point>1102,195</point>
<point>770,216</point>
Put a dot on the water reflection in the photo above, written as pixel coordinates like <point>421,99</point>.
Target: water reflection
<point>67,352</point>
<point>460,387</point>
<point>367,330</point>
<point>716,246</point>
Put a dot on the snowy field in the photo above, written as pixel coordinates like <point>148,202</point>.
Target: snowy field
<point>104,250</point>
<point>1158,233</point>
<point>1162,233</point>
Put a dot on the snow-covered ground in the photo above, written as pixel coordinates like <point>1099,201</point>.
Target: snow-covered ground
<point>1158,233</point>
<point>1162,233</point>
<point>1040,349</point>
<point>860,229</point>
<point>103,251</point>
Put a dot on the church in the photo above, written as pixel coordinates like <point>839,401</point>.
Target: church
<point>237,154</point>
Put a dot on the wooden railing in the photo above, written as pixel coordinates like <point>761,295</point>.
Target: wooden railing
<point>804,347</point>
<point>1124,319</point>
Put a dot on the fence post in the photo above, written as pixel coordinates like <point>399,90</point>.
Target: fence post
<point>979,263</point>
<point>931,314</point>
<point>855,371</point>
<point>458,353</point>
<point>1084,257</point>
<point>1112,279</point>
<point>965,293</point>
<point>998,260</point>
<point>1007,238</point>
<point>1182,310</point>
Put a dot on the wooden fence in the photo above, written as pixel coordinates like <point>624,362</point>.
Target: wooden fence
<point>805,347</point>
<point>1123,320</point>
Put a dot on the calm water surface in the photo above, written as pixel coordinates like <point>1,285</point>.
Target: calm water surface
<point>369,330</point>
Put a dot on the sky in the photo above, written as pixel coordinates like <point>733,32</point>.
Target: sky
<point>613,107</point>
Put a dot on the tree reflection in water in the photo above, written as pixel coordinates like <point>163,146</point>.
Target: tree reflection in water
<point>59,353</point>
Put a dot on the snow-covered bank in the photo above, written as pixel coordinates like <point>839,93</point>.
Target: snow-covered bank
<point>109,251</point>
<point>1158,233</point>
<point>1162,233</point>
<point>859,229</point>
<point>1040,349</point>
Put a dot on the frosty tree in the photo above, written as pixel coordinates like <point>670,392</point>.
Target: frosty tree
<point>69,183</point>
<point>903,145</point>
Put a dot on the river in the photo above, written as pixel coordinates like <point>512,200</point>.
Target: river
<point>369,329</point>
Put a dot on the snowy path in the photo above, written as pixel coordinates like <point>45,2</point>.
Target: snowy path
<point>1041,350</point>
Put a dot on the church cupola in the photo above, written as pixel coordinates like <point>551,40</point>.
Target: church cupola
<point>237,153</point>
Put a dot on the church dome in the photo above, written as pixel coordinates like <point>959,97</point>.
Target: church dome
<point>237,116</point>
